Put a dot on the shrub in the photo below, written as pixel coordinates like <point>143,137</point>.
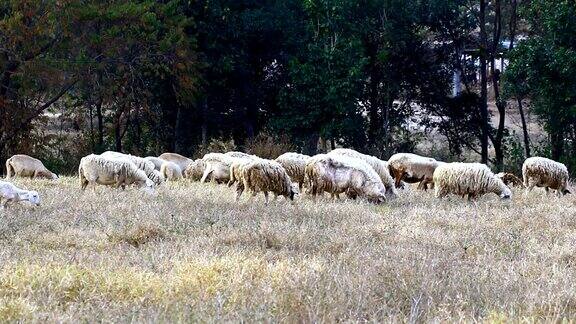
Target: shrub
<point>269,147</point>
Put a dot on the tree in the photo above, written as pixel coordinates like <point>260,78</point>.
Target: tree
<point>542,68</point>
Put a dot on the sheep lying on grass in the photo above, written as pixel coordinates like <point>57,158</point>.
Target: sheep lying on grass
<point>338,174</point>
<point>543,172</point>
<point>21,165</point>
<point>413,168</point>
<point>141,163</point>
<point>472,179</point>
<point>176,158</point>
<point>265,176</point>
<point>9,193</point>
<point>294,164</point>
<point>171,171</point>
<point>96,169</point>
<point>381,167</point>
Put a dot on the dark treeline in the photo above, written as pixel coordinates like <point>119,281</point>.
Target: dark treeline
<point>151,76</point>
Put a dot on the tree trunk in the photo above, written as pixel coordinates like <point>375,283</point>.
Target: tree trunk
<point>524,129</point>
<point>375,120</point>
<point>323,145</point>
<point>118,131</point>
<point>483,84</point>
<point>91,115</point>
<point>178,130</point>
<point>204,107</point>
<point>500,104</point>
<point>557,142</point>
<point>311,145</point>
<point>100,118</point>
<point>137,133</point>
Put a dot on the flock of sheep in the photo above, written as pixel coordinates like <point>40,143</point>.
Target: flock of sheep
<point>341,171</point>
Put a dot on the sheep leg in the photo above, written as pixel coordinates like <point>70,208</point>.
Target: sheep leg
<point>239,191</point>
<point>422,185</point>
<point>398,179</point>
<point>84,184</point>
<point>266,198</point>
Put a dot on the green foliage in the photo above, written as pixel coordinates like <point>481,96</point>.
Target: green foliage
<point>149,76</point>
<point>542,68</point>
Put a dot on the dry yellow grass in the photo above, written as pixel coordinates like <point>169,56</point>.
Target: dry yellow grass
<point>189,253</point>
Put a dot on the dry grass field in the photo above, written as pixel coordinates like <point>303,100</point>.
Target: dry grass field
<point>189,253</point>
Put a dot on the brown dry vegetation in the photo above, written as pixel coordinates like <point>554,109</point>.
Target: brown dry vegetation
<point>189,253</point>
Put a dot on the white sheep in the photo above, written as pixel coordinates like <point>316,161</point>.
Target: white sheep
<point>236,171</point>
<point>21,165</point>
<point>171,171</point>
<point>240,155</point>
<point>95,169</point>
<point>380,166</point>
<point>141,163</point>
<point>266,176</point>
<point>218,165</point>
<point>295,165</point>
<point>337,174</point>
<point>195,170</point>
<point>543,172</point>
<point>413,168</point>
<point>180,160</point>
<point>157,162</point>
<point>472,179</point>
<point>9,193</point>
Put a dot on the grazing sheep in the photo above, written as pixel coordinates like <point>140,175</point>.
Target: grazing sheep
<point>381,167</point>
<point>236,170</point>
<point>413,168</point>
<point>157,162</point>
<point>295,165</point>
<point>9,193</point>
<point>141,163</point>
<point>510,179</point>
<point>337,174</point>
<point>21,165</point>
<point>218,165</point>
<point>195,170</point>
<point>543,172</point>
<point>472,179</point>
<point>266,176</point>
<point>180,160</point>
<point>171,171</point>
<point>95,169</point>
